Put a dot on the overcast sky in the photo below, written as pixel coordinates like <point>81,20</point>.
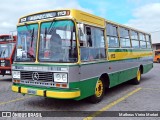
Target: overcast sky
<point>140,14</point>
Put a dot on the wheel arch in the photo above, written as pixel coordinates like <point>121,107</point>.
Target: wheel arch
<point>141,68</point>
<point>105,78</point>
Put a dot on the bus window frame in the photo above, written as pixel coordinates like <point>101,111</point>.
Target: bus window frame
<point>134,39</point>
<point>90,47</point>
<point>122,38</point>
<point>140,40</point>
<point>23,24</point>
<point>39,36</point>
<point>117,32</point>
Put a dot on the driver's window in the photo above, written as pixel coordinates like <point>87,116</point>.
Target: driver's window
<point>93,46</point>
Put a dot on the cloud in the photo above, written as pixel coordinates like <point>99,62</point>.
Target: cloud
<point>12,10</point>
<point>146,18</point>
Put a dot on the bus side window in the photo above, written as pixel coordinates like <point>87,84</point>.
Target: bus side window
<point>95,44</point>
<point>124,37</point>
<point>112,35</point>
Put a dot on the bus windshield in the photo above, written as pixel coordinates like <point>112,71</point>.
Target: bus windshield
<point>58,42</point>
<point>6,50</point>
<point>26,43</point>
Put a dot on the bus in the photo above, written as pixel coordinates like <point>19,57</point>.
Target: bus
<point>156,56</point>
<point>7,50</point>
<point>71,54</point>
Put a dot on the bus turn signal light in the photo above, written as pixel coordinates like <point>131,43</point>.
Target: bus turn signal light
<point>16,81</point>
<point>58,85</point>
<point>64,85</point>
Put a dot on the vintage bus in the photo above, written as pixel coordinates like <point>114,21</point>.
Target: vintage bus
<point>7,50</point>
<point>156,55</point>
<point>71,54</point>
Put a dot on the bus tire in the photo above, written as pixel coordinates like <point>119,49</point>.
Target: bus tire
<point>158,60</point>
<point>99,92</point>
<point>137,79</point>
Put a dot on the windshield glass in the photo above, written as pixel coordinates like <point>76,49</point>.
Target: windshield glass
<point>6,50</point>
<point>57,42</point>
<point>26,43</point>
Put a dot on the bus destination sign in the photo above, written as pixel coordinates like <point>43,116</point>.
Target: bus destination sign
<point>46,15</point>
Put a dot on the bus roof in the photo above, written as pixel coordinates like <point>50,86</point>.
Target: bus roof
<point>9,38</point>
<point>4,35</point>
<point>79,15</point>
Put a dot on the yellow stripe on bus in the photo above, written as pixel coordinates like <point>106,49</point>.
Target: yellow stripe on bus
<point>64,95</point>
<point>24,90</point>
<point>127,55</point>
<point>40,92</point>
<point>15,88</point>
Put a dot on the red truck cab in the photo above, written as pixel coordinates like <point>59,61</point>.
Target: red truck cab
<point>7,51</point>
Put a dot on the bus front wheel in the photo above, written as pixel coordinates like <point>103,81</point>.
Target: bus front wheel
<point>137,79</point>
<point>99,92</point>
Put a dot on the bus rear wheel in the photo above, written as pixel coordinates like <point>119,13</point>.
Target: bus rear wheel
<point>99,92</point>
<point>158,60</point>
<point>137,79</point>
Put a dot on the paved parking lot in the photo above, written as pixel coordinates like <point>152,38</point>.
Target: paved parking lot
<point>125,97</point>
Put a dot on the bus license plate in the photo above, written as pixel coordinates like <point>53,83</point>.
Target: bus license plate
<point>31,91</point>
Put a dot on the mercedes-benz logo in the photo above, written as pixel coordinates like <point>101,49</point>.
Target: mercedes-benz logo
<point>35,76</point>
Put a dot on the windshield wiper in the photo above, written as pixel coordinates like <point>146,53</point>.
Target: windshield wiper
<point>31,33</point>
<point>1,53</point>
<point>31,52</point>
<point>32,36</point>
<point>28,29</point>
<point>49,29</point>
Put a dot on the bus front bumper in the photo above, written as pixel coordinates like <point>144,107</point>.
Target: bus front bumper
<point>54,93</point>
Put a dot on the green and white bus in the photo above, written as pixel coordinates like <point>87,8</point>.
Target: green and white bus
<point>71,54</point>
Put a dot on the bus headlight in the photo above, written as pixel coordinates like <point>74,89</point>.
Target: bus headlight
<point>60,77</point>
<point>16,74</point>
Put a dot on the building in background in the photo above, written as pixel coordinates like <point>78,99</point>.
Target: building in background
<point>156,40</point>
<point>156,46</point>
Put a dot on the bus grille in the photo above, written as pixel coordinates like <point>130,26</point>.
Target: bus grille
<point>42,76</point>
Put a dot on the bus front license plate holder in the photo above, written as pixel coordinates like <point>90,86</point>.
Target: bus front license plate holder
<point>31,91</point>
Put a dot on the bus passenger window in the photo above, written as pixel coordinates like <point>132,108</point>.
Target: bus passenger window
<point>148,41</point>
<point>95,45</point>
<point>124,38</point>
<point>134,37</point>
<point>112,36</point>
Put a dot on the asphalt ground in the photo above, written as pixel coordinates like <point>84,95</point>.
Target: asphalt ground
<point>124,98</point>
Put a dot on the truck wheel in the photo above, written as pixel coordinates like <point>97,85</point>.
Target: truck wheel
<point>99,92</point>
